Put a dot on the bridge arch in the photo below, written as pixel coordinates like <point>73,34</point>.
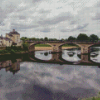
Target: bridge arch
<point>95,44</point>
<point>31,47</point>
<point>57,45</point>
<point>73,45</point>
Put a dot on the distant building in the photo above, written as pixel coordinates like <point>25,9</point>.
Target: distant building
<point>12,38</point>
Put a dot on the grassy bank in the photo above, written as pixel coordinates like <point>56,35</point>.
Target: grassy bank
<point>42,45</point>
<point>13,50</point>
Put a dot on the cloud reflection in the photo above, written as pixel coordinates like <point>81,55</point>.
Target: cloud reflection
<point>41,81</point>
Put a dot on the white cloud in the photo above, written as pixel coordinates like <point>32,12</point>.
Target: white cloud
<point>50,18</point>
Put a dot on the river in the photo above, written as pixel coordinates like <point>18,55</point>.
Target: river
<point>45,76</point>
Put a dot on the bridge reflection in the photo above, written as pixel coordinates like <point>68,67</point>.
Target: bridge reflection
<point>13,64</point>
<point>60,59</point>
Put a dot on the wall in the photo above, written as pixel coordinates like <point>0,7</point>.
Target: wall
<point>7,43</point>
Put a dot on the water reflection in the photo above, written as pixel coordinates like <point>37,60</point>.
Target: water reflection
<point>48,81</point>
<point>11,66</point>
<point>70,55</point>
<point>95,55</point>
<point>43,55</point>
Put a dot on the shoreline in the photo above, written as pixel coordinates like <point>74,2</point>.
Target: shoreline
<point>50,48</point>
<point>39,49</point>
<point>15,53</point>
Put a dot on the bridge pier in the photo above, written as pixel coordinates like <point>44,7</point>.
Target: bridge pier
<point>56,49</point>
<point>84,48</point>
<point>85,58</point>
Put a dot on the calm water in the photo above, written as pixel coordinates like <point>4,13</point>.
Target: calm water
<point>46,76</point>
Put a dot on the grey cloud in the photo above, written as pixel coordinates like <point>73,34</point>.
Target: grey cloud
<point>61,17</point>
<point>22,17</point>
<point>98,4</point>
<point>4,12</point>
<point>2,15</point>
<point>36,1</point>
<point>44,11</point>
<point>73,22</point>
<point>2,24</point>
<point>79,27</point>
<point>45,30</point>
<point>22,26</point>
<point>97,17</point>
<point>82,26</point>
<point>65,30</point>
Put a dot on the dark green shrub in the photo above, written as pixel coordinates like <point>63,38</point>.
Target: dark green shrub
<point>12,51</point>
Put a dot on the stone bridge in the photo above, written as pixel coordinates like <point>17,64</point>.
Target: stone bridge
<point>57,45</point>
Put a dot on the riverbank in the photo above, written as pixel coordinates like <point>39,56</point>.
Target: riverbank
<point>24,52</point>
<point>50,48</point>
<point>5,52</point>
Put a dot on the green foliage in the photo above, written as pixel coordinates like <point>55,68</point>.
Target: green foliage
<point>12,51</point>
<point>45,39</point>
<point>24,39</point>
<point>25,46</point>
<point>42,45</point>
<point>71,38</point>
<point>52,39</point>
<point>94,37</point>
<point>62,39</point>
<point>82,37</point>
<point>41,39</point>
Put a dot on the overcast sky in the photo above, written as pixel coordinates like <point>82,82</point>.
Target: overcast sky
<point>50,18</point>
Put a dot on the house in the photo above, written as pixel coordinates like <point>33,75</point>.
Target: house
<point>12,38</point>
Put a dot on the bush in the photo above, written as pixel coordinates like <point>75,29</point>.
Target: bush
<point>12,51</point>
<point>25,46</point>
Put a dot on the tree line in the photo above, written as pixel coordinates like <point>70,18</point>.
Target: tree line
<point>80,37</point>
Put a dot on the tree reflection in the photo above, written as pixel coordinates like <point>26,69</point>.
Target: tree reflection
<point>46,53</point>
<point>71,54</point>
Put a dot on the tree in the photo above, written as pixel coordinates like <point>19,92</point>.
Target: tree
<point>94,37</point>
<point>62,39</point>
<point>33,38</point>
<point>52,39</point>
<point>46,39</point>
<point>25,46</point>
<point>41,39</point>
<point>82,37</point>
<point>71,38</point>
<point>24,39</point>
